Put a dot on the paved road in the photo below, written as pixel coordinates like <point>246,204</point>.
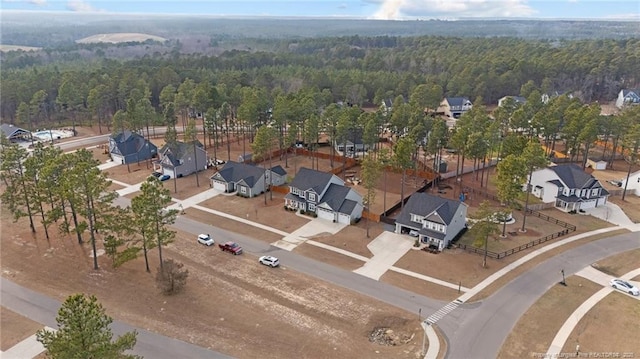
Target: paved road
<point>479,330</point>
<point>43,309</point>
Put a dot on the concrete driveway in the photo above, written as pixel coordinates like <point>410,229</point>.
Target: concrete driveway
<point>310,230</point>
<point>387,249</point>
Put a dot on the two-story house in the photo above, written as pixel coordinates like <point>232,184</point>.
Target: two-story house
<point>352,143</point>
<point>130,147</point>
<point>434,220</point>
<point>181,159</point>
<point>324,194</point>
<point>571,188</point>
<point>454,107</point>
<point>628,97</point>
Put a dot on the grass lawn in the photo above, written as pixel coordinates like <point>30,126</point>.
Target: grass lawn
<point>609,327</point>
<point>620,264</point>
<point>535,330</point>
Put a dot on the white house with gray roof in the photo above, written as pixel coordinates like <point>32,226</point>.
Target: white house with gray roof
<point>571,188</point>
<point>324,194</point>
<point>248,180</point>
<point>181,159</point>
<point>454,107</point>
<point>434,220</point>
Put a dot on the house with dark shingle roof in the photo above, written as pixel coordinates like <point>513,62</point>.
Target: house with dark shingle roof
<point>130,147</point>
<point>248,180</point>
<point>434,220</point>
<point>180,159</point>
<point>627,97</point>
<point>571,188</point>
<point>454,107</point>
<point>14,133</point>
<point>324,194</point>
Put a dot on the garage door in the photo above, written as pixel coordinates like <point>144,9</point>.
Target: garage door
<point>588,204</point>
<point>344,218</point>
<point>219,186</point>
<point>325,214</point>
<point>601,201</point>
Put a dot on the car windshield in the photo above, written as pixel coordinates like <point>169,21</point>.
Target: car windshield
<point>233,245</point>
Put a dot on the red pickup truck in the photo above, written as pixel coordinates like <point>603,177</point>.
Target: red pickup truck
<point>231,247</point>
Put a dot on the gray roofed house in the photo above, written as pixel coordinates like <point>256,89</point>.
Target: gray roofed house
<point>454,107</point>
<point>568,187</point>
<point>434,220</point>
<point>325,195</point>
<point>180,160</point>
<point>14,133</point>
<point>130,147</point>
<point>353,141</point>
<point>627,97</point>
<point>248,180</point>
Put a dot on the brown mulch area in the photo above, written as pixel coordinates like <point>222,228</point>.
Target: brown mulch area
<point>14,328</point>
<point>327,256</point>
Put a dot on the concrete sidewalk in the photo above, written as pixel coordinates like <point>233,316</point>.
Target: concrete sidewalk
<point>28,348</point>
<point>596,276</point>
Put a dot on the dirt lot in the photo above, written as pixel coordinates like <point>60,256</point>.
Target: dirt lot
<point>226,306</point>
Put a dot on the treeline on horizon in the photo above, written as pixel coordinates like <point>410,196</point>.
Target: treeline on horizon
<point>355,69</point>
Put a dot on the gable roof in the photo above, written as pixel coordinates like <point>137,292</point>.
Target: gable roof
<point>10,130</point>
<point>335,196</point>
<point>128,143</point>
<point>278,170</point>
<point>178,151</point>
<point>424,204</point>
<point>308,179</point>
<point>233,172</point>
<point>574,177</point>
<point>456,101</point>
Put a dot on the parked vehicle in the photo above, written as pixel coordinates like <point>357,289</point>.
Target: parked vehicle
<point>269,261</point>
<point>231,247</point>
<point>164,177</point>
<point>156,174</point>
<point>624,286</point>
<point>206,239</point>
<point>219,162</point>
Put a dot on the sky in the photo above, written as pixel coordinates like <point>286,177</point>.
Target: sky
<point>364,9</point>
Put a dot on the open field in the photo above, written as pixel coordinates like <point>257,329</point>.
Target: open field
<point>14,328</point>
<point>535,330</point>
<point>120,37</point>
<point>226,304</point>
<point>7,48</point>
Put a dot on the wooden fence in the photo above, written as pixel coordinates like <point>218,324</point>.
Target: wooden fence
<point>568,228</point>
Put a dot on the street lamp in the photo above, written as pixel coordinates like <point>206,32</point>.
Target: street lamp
<point>563,282</point>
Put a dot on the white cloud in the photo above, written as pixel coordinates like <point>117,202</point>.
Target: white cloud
<point>411,9</point>
<point>80,6</point>
<point>38,2</point>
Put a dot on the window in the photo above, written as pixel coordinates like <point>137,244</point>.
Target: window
<point>243,189</point>
<point>312,207</point>
<point>312,197</point>
<point>416,218</point>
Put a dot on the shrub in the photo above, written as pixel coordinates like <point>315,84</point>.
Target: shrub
<point>416,243</point>
<point>171,278</point>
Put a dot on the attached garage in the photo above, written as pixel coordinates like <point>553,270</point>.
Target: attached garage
<point>344,218</point>
<point>588,204</point>
<point>325,214</point>
<point>220,186</point>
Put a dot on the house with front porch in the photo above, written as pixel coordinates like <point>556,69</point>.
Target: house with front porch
<point>433,220</point>
<point>324,194</point>
<point>248,180</point>
<point>569,187</point>
<point>181,159</point>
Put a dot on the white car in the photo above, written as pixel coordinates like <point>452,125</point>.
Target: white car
<point>624,286</point>
<point>269,261</point>
<point>206,239</point>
